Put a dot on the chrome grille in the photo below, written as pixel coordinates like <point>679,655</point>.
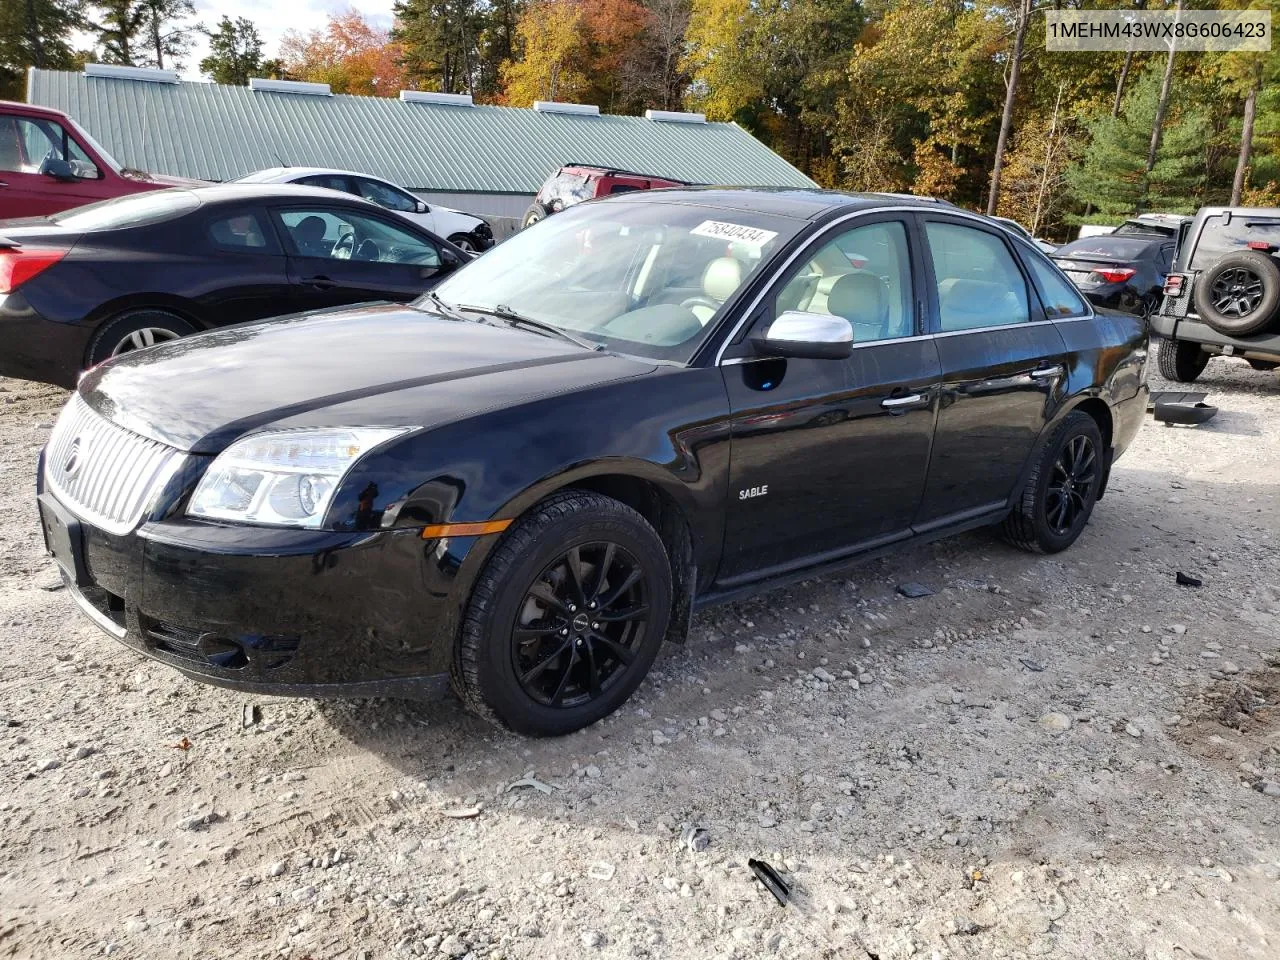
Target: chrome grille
<point>105,474</point>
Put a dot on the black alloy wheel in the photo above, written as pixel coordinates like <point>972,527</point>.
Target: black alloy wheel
<point>1066,478</point>
<point>582,624</point>
<point>1073,480</point>
<point>1236,292</point>
<point>566,617</point>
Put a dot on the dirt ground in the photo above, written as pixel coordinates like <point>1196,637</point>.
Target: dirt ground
<point>1066,756</point>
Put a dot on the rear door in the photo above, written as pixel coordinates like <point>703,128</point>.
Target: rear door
<point>24,190</point>
<point>1003,369</point>
<point>830,456</point>
<point>337,255</point>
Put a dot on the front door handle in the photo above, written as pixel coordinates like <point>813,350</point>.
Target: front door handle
<point>908,402</point>
<point>320,283</point>
<point>1048,373</point>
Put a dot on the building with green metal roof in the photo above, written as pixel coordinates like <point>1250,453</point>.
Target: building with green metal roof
<point>483,159</point>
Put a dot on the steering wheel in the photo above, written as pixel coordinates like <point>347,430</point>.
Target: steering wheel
<point>701,301</point>
<point>345,246</point>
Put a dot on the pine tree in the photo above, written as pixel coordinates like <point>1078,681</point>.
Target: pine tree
<point>235,52</point>
<point>34,33</point>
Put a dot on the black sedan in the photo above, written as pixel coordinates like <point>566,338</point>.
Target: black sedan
<point>97,281</point>
<point>527,480</point>
<point>1120,271</point>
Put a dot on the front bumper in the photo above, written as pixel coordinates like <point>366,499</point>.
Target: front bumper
<point>269,610</point>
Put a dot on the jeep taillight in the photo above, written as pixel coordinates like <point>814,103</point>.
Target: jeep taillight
<point>17,266</point>
<point>1261,245</point>
<point>1173,285</point>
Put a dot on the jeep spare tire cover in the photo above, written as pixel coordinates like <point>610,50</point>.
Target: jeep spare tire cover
<point>1239,294</point>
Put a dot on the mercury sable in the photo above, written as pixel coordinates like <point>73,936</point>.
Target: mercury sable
<point>523,483</point>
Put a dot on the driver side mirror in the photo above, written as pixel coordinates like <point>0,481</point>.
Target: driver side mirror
<point>421,207</point>
<point>806,336</point>
<point>58,168</point>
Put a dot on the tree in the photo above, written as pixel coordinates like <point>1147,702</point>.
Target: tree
<point>726,79</point>
<point>169,33</point>
<point>438,41</point>
<point>235,52</point>
<point>1022,22</point>
<point>1113,174</point>
<point>551,45</point>
<point>1035,177</point>
<point>120,26</point>
<point>34,33</point>
<point>349,54</point>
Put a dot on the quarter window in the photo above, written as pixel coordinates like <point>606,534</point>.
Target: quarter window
<point>331,234</point>
<point>979,284</point>
<point>862,276</point>
<point>1061,299</point>
<point>329,181</point>
<point>239,232</point>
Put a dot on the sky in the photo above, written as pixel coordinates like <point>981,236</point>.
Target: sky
<point>273,19</point>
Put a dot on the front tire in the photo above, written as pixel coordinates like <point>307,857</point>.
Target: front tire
<point>566,618</point>
<point>135,330</point>
<point>1062,489</point>
<point>465,242</point>
<point>1181,360</point>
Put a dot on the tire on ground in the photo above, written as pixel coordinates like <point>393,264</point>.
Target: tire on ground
<point>1260,317</point>
<point>531,216</point>
<point>114,333</point>
<point>1180,360</point>
<point>483,672</point>
<point>1028,525</point>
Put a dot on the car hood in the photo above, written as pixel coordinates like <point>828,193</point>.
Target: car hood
<point>161,180</point>
<point>367,366</point>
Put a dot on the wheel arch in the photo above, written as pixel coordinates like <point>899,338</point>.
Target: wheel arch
<point>179,306</point>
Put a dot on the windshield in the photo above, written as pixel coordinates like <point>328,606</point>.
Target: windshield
<point>133,210</point>
<point>647,278</point>
<point>94,145</point>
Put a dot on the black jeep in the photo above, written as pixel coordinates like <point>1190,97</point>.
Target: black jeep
<point>1222,297</point>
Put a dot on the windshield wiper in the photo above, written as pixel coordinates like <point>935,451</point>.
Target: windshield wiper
<point>503,312</point>
<point>447,309</point>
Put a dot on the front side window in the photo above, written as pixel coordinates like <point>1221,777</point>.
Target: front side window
<point>329,181</point>
<point>646,278</point>
<point>333,234</point>
<point>1061,298</point>
<point>979,284</point>
<point>25,142</point>
<point>863,276</point>
<point>385,196</point>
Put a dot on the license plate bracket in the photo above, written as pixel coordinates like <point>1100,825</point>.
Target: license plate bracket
<point>64,539</point>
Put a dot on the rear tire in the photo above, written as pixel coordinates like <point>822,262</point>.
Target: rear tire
<point>531,216</point>
<point>532,654</point>
<point>1181,360</point>
<point>135,330</point>
<point>1063,487</point>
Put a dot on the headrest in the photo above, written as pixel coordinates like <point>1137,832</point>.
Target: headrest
<point>859,297</point>
<point>722,277</point>
<point>311,228</point>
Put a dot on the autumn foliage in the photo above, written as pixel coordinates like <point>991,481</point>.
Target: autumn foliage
<point>349,54</point>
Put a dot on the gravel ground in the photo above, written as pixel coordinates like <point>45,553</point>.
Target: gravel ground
<point>1063,756</point>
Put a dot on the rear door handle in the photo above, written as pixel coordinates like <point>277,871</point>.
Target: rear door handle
<point>910,401</point>
<point>1048,373</point>
<point>320,283</point>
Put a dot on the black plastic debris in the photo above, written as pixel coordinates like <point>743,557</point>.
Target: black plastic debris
<point>1186,580</point>
<point>1031,665</point>
<point>774,883</point>
<point>913,590</point>
<point>1186,414</point>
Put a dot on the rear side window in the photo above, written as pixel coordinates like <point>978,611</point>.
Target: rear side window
<point>1059,295</point>
<point>329,181</point>
<point>385,196</point>
<point>135,210</point>
<point>241,232</point>
<point>979,284</point>
<point>1220,237</point>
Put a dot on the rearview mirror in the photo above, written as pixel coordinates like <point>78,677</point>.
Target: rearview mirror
<point>811,336</point>
<point>58,168</point>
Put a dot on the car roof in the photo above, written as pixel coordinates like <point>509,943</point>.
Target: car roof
<point>270,174</point>
<point>798,203</point>
<point>30,109</point>
<point>235,192</point>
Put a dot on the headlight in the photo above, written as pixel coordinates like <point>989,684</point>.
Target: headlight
<point>286,478</point>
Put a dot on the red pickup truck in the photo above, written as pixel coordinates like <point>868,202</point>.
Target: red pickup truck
<point>49,163</point>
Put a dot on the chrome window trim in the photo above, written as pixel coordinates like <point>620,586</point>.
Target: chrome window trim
<point>870,212</point>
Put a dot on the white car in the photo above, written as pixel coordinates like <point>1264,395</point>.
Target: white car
<point>461,229</point>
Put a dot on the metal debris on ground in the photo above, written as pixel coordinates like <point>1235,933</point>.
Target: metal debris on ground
<point>694,838</point>
<point>1031,665</point>
<point>251,715</point>
<point>772,881</point>
<point>1186,580</point>
<point>913,590</point>
<point>531,782</point>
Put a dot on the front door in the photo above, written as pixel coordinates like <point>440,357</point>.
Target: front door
<point>830,456</point>
<point>24,190</point>
<point>1003,370</point>
<point>340,256</point>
